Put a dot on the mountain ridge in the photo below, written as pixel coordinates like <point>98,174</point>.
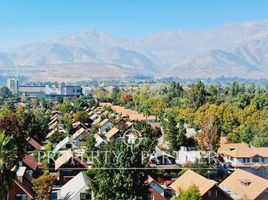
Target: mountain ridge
<point>239,49</point>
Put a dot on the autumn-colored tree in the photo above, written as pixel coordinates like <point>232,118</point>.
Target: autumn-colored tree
<point>125,97</point>
<point>208,138</point>
<point>42,186</point>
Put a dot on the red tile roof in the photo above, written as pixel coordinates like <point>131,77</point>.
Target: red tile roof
<point>34,143</point>
<point>30,161</point>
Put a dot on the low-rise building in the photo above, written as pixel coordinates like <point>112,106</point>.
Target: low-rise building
<point>188,155</point>
<point>156,191</point>
<point>243,156</point>
<point>32,91</point>
<point>80,135</point>
<point>244,185</point>
<point>208,189</point>
<point>104,125</point>
<point>49,91</point>
<point>69,165</point>
<point>76,189</point>
<point>22,187</point>
<point>65,144</point>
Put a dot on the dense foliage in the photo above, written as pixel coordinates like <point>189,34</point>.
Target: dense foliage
<point>120,167</point>
<point>237,110</point>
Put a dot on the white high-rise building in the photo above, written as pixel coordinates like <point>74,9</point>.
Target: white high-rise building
<point>12,84</point>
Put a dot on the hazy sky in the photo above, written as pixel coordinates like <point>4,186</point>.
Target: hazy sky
<point>26,21</point>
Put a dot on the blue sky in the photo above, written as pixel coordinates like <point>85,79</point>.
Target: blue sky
<point>26,21</point>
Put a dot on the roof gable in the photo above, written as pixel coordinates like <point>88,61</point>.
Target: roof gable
<point>111,132</point>
<point>64,142</point>
<point>244,184</point>
<point>190,178</point>
<point>30,161</point>
<point>74,186</point>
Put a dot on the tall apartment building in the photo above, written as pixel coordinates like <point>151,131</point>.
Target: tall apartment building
<point>12,84</point>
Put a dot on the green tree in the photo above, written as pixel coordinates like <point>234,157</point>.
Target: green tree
<point>8,159</point>
<point>181,135</point>
<point>90,144</point>
<point>192,193</point>
<point>5,92</point>
<point>12,126</point>
<point>196,95</point>
<point>176,89</point>
<point>65,108</point>
<point>115,95</point>
<point>170,130</point>
<point>247,134</point>
<point>81,116</point>
<point>130,183</point>
<point>261,136</point>
<point>122,182</point>
<point>235,88</point>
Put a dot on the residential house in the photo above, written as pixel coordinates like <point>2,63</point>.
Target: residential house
<point>187,155</point>
<point>76,189</point>
<point>246,157</point>
<point>54,118</point>
<point>208,189</point>
<point>94,116</point>
<point>80,135</point>
<point>78,125</point>
<point>22,187</point>
<point>65,144</point>
<point>113,134</point>
<point>159,157</point>
<point>99,140</point>
<point>34,145</point>
<point>104,125</point>
<point>244,185</point>
<point>69,165</point>
<point>96,121</point>
<point>54,125</point>
<point>30,163</point>
<point>133,115</point>
<point>123,125</point>
<point>57,130</point>
<point>156,191</point>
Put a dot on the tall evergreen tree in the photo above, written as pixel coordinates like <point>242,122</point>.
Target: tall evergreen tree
<point>196,95</point>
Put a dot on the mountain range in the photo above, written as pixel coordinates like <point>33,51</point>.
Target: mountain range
<point>234,50</point>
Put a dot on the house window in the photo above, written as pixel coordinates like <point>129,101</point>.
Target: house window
<point>54,196</point>
<point>262,160</point>
<point>21,197</point>
<point>248,160</point>
<point>255,159</point>
<point>68,146</point>
<point>150,196</point>
<point>84,196</point>
<point>244,160</point>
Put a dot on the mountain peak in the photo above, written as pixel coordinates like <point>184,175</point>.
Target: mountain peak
<point>239,48</point>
